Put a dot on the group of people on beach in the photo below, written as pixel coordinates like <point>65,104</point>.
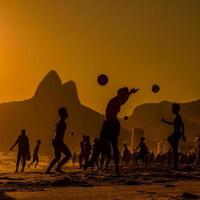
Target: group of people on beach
<point>24,154</point>
<point>103,145</point>
<point>88,150</point>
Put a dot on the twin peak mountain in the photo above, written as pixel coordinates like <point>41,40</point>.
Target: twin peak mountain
<point>38,115</point>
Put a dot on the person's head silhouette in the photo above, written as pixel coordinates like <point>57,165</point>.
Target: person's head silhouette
<point>23,132</point>
<point>122,94</point>
<point>84,137</point>
<point>63,113</point>
<point>38,141</point>
<point>142,139</point>
<point>96,140</point>
<point>176,108</point>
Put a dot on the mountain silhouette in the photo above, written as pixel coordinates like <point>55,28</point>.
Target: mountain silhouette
<point>148,117</point>
<point>38,115</point>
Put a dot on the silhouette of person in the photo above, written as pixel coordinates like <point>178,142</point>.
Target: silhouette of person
<point>74,158</point>
<point>58,143</point>
<point>143,150</point>
<point>169,157</point>
<point>178,132</point>
<point>111,126</point>
<point>88,148</point>
<point>35,154</point>
<point>23,150</point>
<point>106,153</point>
<point>152,158</point>
<point>83,151</point>
<point>125,156</point>
<point>94,149</point>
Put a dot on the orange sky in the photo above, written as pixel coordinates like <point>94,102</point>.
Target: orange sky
<point>135,42</point>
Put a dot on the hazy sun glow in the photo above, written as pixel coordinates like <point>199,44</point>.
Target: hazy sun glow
<point>136,43</point>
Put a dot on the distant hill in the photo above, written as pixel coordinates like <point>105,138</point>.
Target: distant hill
<point>148,116</point>
<point>39,115</point>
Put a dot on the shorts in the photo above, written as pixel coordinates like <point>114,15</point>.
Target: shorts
<point>110,130</point>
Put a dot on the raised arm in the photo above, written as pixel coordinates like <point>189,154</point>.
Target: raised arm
<point>167,122</point>
<point>132,91</point>
<point>137,148</point>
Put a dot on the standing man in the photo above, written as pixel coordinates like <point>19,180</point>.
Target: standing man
<point>125,156</point>
<point>58,143</point>
<point>23,150</point>
<point>83,150</point>
<point>178,132</point>
<point>143,151</point>
<point>111,127</point>
<point>88,149</point>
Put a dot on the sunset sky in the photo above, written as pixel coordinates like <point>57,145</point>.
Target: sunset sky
<point>136,42</point>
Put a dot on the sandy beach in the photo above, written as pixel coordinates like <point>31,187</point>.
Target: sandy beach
<point>154,191</point>
<point>151,183</point>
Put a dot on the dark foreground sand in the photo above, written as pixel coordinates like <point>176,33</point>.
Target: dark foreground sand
<point>155,191</point>
<point>135,184</point>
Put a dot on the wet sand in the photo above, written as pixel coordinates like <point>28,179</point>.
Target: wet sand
<point>155,191</point>
<point>153,183</point>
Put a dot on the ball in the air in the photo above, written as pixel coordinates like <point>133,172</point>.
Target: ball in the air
<point>72,133</point>
<point>102,79</point>
<point>155,88</point>
<point>126,118</point>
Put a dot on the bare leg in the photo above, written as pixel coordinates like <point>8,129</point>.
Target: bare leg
<point>31,164</point>
<point>55,160</point>
<point>36,164</point>
<point>175,152</point>
<point>108,155</point>
<point>68,155</point>
<point>102,160</point>
<point>87,158</point>
<point>63,161</point>
<point>97,164</point>
<point>80,159</point>
<point>23,162</point>
<point>95,154</point>
<point>116,154</point>
<point>18,161</point>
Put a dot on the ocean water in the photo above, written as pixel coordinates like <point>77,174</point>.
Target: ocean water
<point>8,162</point>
